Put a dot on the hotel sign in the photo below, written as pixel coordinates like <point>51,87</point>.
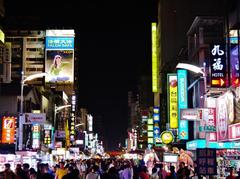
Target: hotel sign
<point>218,65</point>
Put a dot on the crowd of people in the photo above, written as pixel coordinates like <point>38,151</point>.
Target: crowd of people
<point>97,169</point>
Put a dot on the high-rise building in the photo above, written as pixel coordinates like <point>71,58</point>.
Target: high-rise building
<point>27,53</point>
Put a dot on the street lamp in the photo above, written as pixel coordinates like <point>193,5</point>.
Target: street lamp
<point>196,69</point>
<point>202,71</point>
<point>23,80</point>
<point>56,110</point>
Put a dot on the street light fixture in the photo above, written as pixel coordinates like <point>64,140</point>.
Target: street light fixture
<point>196,69</point>
<point>57,109</point>
<point>23,80</point>
<point>202,71</point>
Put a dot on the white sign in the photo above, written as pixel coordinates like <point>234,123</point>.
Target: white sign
<point>195,114</point>
<point>30,118</point>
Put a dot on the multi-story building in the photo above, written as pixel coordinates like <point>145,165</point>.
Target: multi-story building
<point>27,53</point>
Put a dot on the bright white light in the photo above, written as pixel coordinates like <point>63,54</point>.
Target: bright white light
<point>31,77</point>
<point>190,67</point>
<point>61,107</point>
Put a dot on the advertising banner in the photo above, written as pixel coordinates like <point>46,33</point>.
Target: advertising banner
<point>155,63</point>
<point>206,162</point>
<point>234,65</point>
<point>218,65</point>
<point>222,119</point>
<point>35,136</point>
<point>59,66</point>
<point>65,43</point>
<point>193,114</point>
<point>182,103</point>
<point>234,131</point>
<point>30,118</point>
<point>208,123</point>
<point>47,137</point>
<point>172,100</point>
<point>8,129</point>
<point>72,127</point>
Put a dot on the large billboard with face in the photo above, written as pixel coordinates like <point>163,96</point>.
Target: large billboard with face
<point>59,66</point>
<point>59,56</point>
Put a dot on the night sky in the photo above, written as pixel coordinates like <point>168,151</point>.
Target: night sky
<point>113,49</point>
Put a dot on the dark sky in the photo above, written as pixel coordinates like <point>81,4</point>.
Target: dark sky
<point>112,39</point>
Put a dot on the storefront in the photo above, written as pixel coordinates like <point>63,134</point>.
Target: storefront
<point>227,154</point>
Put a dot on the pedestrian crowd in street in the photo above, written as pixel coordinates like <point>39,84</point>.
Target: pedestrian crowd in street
<point>97,169</point>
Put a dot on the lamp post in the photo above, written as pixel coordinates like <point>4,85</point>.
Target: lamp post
<point>23,80</point>
<point>202,71</point>
<point>56,110</point>
<point>196,69</point>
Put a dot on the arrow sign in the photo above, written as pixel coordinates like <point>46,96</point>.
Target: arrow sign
<point>236,81</point>
<point>215,82</point>
<point>222,82</point>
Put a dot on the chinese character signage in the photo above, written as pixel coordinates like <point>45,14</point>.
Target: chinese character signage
<point>222,121</point>
<point>35,136</point>
<point>30,118</point>
<point>172,101</point>
<point>156,119</point>
<point>59,43</point>
<point>155,64</point>
<point>206,162</point>
<point>47,137</point>
<point>208,124</point>
<point>72,127</point>
<point>234,131</point>
<point>218,65</point>
<point>182,103</point>
<point>234,65</point>
<point>194,114</point>
<point>151,133</point>
<point>8,129</point>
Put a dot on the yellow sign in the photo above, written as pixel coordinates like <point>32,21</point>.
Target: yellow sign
<point>167,137</point>
<point>155,64</point>
<point>2,36</point>
<point>173,101</point>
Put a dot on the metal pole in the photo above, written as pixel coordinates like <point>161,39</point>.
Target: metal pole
<point>205,99</point>
<point>20,139</point>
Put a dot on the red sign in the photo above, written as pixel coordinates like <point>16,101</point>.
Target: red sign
<point>234,131</point>
<point>8,129</point>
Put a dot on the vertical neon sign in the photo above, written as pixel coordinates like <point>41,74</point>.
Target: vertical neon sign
<point>182,103</point>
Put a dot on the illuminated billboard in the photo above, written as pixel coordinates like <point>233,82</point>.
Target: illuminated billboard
<point>8,129</point>
<point>172,100</point>
<point>59,66</point>
<point>35,136</point>
<point>182,103</point>
<point>218,65</point>
<point>155,64</point>
<point>59,56</point>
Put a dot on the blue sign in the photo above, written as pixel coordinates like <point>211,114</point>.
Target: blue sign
<point>201,143</point>
<point>59,42</point>
<point>182,103</point>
